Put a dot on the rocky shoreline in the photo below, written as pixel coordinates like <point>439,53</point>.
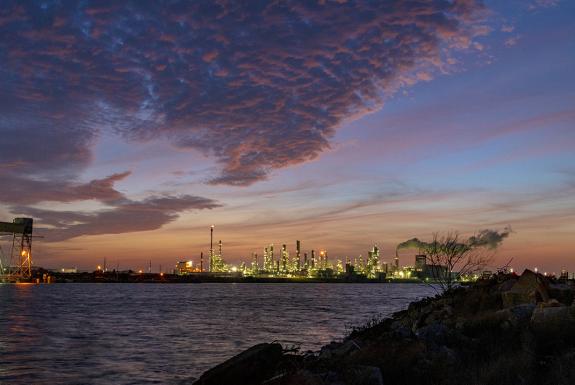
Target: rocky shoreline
<point>506,330</point>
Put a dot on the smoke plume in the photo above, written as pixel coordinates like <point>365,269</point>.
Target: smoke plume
<point>490,239</point>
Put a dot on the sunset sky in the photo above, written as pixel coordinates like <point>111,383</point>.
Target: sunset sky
<point>128,128</point>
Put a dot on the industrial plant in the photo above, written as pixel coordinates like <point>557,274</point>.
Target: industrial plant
<point>274,264</point>
<point>313,264</point>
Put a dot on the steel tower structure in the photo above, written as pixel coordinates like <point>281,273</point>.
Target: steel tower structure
<point>21,253</point>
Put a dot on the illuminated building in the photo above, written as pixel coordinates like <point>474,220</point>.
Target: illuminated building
<point>372,265</point>
<point>186,267</point>
<point>298,253</point>
<point>313,259</point>
<point>339,267</point>
<point>361,266</point>
<point>284,260</point>
<point>272,261</point>
<point>267,261</point>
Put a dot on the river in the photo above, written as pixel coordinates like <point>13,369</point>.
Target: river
<point>171,333</point>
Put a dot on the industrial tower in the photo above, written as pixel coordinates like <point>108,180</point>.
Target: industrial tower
<point>21,253</point>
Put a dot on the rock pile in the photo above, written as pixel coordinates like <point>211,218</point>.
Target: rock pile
<point>506,330</point>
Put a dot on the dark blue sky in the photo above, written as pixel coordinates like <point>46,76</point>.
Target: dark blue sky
<point>343,123</point>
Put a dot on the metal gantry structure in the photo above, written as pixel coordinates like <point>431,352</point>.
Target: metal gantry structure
<point>20,265</point>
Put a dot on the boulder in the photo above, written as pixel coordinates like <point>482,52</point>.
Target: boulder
<point>553,320</point>
<point>338,349</point>
<point>436,334</point>
<point>300,377</point>
<point>515,316</point>
<point>529,288</point>
<point>522,313</point>
<point>363,375</point>
<point>551,303</point>
<point>561,292</point>
<point>250,367</point>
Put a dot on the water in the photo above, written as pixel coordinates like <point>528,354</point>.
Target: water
<point>169,334</point>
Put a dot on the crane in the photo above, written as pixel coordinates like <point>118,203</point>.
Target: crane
<point>21,253</point>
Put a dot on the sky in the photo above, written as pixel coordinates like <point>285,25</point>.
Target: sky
<point>128,128</point>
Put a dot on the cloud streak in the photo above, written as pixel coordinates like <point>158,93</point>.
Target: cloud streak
<point>23,190</point>
<point>126,216</point>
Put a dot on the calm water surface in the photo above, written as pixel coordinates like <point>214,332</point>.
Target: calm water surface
<point>169,334</point>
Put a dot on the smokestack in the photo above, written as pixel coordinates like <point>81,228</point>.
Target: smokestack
<point>211,248</point>
<point>201,261</point>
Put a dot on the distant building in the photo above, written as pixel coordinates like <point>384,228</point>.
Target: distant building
<point>69,270</point>
<point>420,263</point>
<point>186,267</point>
<point>385,267</point>
<point>433,272</point>
<point>372,265</point>
<point>486,274</point>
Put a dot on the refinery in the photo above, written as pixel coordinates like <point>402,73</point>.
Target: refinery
<point>274,264</point>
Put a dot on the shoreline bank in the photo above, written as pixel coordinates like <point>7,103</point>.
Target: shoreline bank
<point>506,330</point>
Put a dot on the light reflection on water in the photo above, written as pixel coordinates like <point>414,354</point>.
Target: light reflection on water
<point>168,334</point>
